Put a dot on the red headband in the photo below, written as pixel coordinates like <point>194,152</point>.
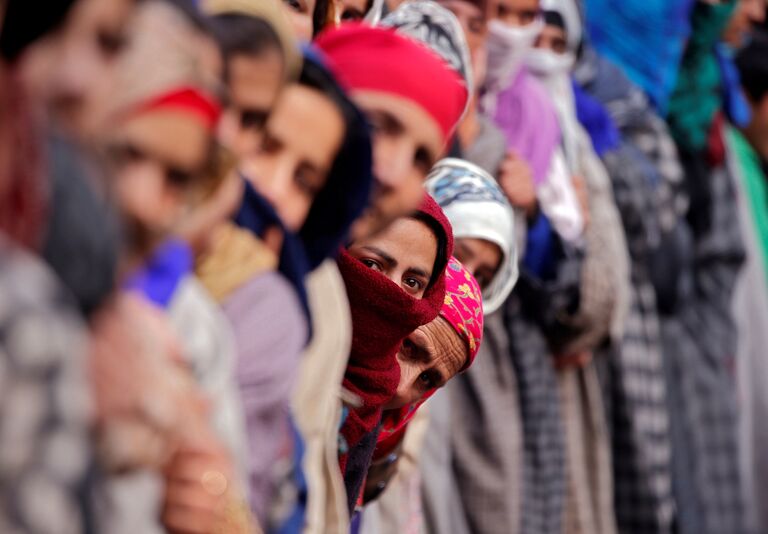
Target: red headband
<point>379,59</point>
<point>188,99</point>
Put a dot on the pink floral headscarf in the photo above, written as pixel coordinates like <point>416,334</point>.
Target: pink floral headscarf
<point>463,309</point>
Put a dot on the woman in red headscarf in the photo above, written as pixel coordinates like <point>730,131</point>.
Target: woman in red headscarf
<point>395,282</point>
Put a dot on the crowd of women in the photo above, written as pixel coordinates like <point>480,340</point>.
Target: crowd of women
<point>374,266</point>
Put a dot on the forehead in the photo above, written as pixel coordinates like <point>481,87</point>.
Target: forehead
<point>360,5</point>
<point>451,351</point>
<point>519,5</point>
<point>171,134</point>
<point>464,7</point>
<point>418,124</point>
<point>255,80</point>
<point>408,241</point>
<point>94,13</point>
<point>308,122</point>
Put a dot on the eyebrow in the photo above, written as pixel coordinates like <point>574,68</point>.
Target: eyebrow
<point>420,272</point>
<point>389,123</point>
<point>384,256</point>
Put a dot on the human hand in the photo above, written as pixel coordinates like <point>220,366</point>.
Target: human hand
<point>516,180</point>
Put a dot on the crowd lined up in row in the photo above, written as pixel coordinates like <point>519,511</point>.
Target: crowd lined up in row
<point>374,266</point>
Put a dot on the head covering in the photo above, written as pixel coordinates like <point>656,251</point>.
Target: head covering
<point>644,37</point>
<point>553,70</point>
<point>336,206</point>
<point>507,48</point>
<point>463,310</point>
<point>165,54</point>
<point>191,100</point>
<point>383,315</point>
<point>271,13</point>
<point>375,13</point>
<point>698,93</point>
<point>348,186</point>
<point>545,63</point>
<point>439,29</point>
<point>477,208</point>
<point>24,22</point>
<point>568,11</point>
<point>378,59</point>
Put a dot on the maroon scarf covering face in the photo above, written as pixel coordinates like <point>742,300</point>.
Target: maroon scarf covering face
<point>383,315</point>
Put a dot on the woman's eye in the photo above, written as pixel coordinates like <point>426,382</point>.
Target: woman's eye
<point>526,17</point>
<point>371,264</point>
<point>269,145</point>
<point>293,4</point>
<point>352,15</point>
<point>305,185</point>
<point>425,379</point>
<point>413,283</point>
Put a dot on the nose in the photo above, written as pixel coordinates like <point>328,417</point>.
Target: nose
<point>406,391</point>
<point>273,177</point>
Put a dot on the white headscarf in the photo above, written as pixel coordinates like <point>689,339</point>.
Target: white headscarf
<point>507,47</point>
<point>477,208</point>
<point>439,29</point>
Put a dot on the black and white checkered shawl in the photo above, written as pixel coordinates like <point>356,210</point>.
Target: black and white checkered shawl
<point>647,181</point>
<point>699,347</point>
<point>636,392</point>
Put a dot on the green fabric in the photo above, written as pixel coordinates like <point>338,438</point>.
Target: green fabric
<point>755,185</point>
<point>697,97</point>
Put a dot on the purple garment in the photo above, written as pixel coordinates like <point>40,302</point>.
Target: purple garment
<point>526,116</point>
<point>270,333</point>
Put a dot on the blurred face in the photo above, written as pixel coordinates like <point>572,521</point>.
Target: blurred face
<point>299,13</point>
<point>254,83</point>
<point>552,38</point>
<point>355,10</point>
<point>475,25</point>
<point>405,253</point>
<point>472,20</point>
<point>71,71</point>
<point>757,131</point>
<point>514,12</point>
<point>301,139</point>
<point>480,257</point>
<point>428,359</point>
<point>407,141</point>
<point>158,159</point>
<point>747,14</point>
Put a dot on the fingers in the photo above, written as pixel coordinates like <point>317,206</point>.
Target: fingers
<point>188,520</point>
<point>197,486</point>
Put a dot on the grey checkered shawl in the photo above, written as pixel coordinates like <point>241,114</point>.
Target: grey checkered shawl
<point>699,347</point>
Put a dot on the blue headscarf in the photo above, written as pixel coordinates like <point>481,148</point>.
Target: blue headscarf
<point>644,37</point>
